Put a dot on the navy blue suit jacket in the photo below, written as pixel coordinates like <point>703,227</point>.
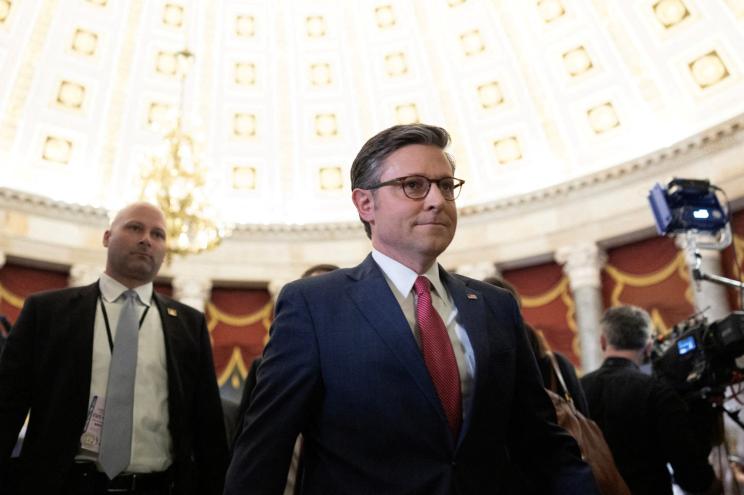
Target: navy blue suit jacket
<point>343,368</point>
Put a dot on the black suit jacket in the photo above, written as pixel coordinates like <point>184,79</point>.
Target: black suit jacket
<point>343,368</point>
<point>647,425</point>
<point>46,367</point>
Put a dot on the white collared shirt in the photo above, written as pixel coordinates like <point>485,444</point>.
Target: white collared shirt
<point>400,278</point>
<point>151,440</point>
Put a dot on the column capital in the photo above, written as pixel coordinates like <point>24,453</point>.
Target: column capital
<point>583,263</point>
<point>83,274</point>
<point>193,290</point>
<point>479,270</point>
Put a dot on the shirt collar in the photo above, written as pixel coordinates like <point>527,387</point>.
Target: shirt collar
<point>111,289</point>
<point>403,277</point>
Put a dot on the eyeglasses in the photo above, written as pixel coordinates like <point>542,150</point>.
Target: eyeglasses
<point>418,186</point>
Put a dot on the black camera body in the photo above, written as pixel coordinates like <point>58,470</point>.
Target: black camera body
<point>699,359</point>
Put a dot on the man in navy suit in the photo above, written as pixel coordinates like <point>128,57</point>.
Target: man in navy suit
<point>402,377</point>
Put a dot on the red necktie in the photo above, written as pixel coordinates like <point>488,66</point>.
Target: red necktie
<point>438,355</point>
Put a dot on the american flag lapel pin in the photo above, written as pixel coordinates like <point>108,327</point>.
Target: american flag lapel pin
<point>471,296</point>
<point>172,312</point>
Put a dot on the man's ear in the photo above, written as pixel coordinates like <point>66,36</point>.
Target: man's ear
<point>365,204</point>
<point>603,342</point>
<point>106,236</point>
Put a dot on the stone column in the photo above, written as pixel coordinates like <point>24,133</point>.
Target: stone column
<point>192,290</point>
<point>479,271</point>
<point>710,297</point>
<point>83,274</point>
<point>583,262</point>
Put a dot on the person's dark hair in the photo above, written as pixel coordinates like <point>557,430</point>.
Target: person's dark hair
<point>367,166</point>
<point>626,327</point>
<point>319,270</point>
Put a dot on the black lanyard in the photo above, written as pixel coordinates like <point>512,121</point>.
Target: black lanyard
<point>108,327</point>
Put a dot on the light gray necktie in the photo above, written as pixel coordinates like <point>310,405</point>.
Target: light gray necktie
<point>116,437</point>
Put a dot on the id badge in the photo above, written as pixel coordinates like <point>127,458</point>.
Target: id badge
<point>90,440</point>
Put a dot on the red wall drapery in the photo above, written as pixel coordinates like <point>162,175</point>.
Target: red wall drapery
<point>547,305</point>
<point>18,282</point>
<point>653,275</point>
<point>238,322</point>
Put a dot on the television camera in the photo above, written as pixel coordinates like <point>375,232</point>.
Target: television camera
<point>698,358</point>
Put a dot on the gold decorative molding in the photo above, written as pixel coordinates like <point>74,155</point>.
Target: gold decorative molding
<point>84,42</point>
<point>507,149</point>
<point>396,64</point>
<point>577,61</point>
<point>244,178</point>
<point>472,43</point>
<point>602,118</point>
<point>244,125</point>
<point>5,9</point>
<point>70,95</point>
<point>315,26</point>
<point>490,95</point>
<point>407,113</point>
<point>245,26</point>
<point>245,74</point>
<point>166,63</point>
<point>331,178</point>
<point>320,74</point>
<point>173,15</point>
<point>550,10</point>
<point>326,125</point>
<point>670,13</point>
<point>57,149</point>
<point>708,70</point>
<point>385,16</point>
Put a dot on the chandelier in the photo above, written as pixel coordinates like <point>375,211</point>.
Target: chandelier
<point>176,181</point>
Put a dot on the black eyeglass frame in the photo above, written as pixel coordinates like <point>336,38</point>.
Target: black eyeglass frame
<point>400,181</point>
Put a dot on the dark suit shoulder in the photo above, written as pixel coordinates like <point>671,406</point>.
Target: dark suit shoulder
<point>179,306</point>
<point>488,290</point>
<point>325,282</point>
<point>479,285</point>
<point>63,296</point>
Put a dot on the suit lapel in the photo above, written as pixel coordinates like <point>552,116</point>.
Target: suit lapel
<point>82,321</point>
<point>172,339</point>
<point>374,299</point>
<point>170,323</point>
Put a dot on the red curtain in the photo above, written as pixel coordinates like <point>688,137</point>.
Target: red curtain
<point>547,305</point>
<point>653,275</point>
<point>238,321</point>
<point>18,282</point>
<point>732,258</point>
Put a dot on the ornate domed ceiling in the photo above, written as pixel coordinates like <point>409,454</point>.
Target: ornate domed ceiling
<point>284,92</point>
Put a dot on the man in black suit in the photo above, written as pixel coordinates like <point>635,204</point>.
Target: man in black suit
<point>401,377</point>
<point>647,424</point>
<point>56,364</point>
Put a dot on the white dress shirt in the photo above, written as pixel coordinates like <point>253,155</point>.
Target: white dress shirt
<point>400,278</point>
<point>151,440</point>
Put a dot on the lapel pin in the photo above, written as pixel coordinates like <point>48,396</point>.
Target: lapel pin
<point>172,312</point>
<point>471,296</point>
